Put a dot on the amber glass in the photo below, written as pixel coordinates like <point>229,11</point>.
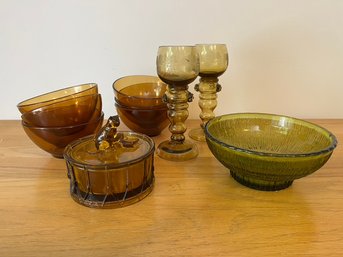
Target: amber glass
<point>69,112</point>
<point>111,178</point>
<point>213,63</point>
<point>266,151</point>
<point>143,120</point>
<point>141,91</point>
<point>54,139</point>
<point>57,96</point>
<point>177,66</point>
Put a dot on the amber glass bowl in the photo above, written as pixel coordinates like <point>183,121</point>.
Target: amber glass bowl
<point>69,112</point>
<point>140,91</point>
<point>266,151</point>
<point>57,96</point>
<point>148,121</point>
<point>54,139</point>
<point>110,178</point>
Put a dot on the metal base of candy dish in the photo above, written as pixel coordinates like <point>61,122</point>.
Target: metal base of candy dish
<point>111,200</point>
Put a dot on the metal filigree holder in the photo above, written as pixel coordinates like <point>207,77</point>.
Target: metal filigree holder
<point>177,148</point>
<point>208,88</point>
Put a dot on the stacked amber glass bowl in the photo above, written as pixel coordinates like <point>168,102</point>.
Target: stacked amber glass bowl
<point>139,103</point>
<point>55,119</point>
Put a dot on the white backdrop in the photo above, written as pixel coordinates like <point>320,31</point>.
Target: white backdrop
<point>286,56</point>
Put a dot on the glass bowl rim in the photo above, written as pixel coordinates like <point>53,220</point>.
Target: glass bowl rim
<point>91,84</point>
<point>177,46</point>
<point>158,80</point>
<point>211,44</point>
<point>328,149</point>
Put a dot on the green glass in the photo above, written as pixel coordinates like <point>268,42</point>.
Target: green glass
<point>266,151</point>
<point>177,66</point>
<point>214,61</point>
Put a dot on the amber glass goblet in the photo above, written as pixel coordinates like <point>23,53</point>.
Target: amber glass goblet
<point>177,66</point>
<point>213,63</point>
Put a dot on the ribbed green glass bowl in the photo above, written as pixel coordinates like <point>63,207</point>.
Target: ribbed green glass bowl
<point>267,151</point>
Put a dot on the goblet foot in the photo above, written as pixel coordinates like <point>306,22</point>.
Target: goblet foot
<point>260,184</point>
<point>197,134</point>
<point>177,151</point>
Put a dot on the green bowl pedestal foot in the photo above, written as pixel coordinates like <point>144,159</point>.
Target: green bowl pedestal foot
<point>259,184</point>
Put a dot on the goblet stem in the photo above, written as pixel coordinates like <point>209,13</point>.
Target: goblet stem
<point>177,148</point>
<point>177,102</point>
<point>208,88</point>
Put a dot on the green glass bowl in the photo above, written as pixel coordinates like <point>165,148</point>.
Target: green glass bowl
<point>266,151</point>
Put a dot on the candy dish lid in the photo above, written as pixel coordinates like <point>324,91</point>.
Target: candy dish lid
<point>109,149</point>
